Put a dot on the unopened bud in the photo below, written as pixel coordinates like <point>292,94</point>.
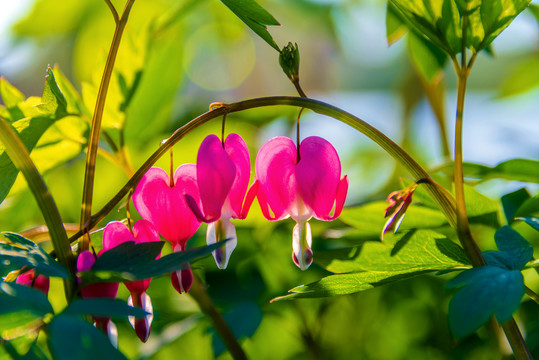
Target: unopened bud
<point>289,61</point>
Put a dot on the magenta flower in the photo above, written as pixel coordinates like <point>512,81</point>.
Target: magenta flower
<point>116,233</point>
<point>85,261</point>
<point>164,205</point>
<point>223,172</point>
<point>39,282</point>
<point>300,189</point>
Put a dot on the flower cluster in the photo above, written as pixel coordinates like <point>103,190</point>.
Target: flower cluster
<point>298,183</point>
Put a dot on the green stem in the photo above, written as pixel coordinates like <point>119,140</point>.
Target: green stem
<point>19,155</point>
<point>93,142</point>
<point>463,227</point>
<point>199,294</point>
<point>517,342</point>
<point>439,194</point>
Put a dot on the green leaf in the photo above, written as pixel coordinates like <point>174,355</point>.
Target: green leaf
<point>73,338</point>
<point>484,291</point>
<point>512,201</point>
<point>10,95</point>
<point>30,119</point>
<point>53,100</point>
<point>129,261</point>
<point>23,252</point>
<point>374,264</point>
<point>346,284</point>
<point>428,60</point>
<point>103,307</point>
<point>254,16</point>
<point>530,207</point>
<point>510,241</point>
<point>395,26</point>
<point>525,170</point>
<point>21,309</point>
<point>532,221</point>
<point>441,21</point>
<point>413,251</point>
<point>524,76</point>
<point>480,208</point>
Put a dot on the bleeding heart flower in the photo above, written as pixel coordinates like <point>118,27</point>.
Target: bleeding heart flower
<point>85,261</point>
<point>116,233</point>
<point>300,189</point>
<point>223,172</point>
<point>164,205</point>
<point>39,282</point>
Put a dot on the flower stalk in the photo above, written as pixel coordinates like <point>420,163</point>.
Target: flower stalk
<point>95,130</point>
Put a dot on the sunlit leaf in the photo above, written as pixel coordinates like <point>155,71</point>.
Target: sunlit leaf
<point>427,59</point>
<point>10,95</point>
<point>73,338</point>
<point>374,264</point>
<point>395,26</point>
<point>412,251</point>
<point>532,221</point>
<point>254,16</point>
<point>31,118</point>
<point>525,170</point>
<point>21,309</point>
<point>442,21</point>
<point>522,77</point>
<point>23,252</point>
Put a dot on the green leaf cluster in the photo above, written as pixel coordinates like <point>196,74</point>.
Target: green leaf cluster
<point>18,252</point>
<point>492,290</point>
<point>45,124</point>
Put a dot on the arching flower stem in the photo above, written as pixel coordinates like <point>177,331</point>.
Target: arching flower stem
<point>438,194</point>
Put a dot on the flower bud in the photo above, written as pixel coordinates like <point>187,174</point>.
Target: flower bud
<point>289,61</point>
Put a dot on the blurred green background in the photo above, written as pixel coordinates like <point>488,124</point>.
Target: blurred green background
<point>184,55</point>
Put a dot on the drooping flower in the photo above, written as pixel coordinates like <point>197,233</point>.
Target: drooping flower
<point>223,172</point>
<point>39,282</point>
<point>164,205</point>
<point>85,261</point>
<point>116,233</point>
<point>398,204</point>
<point>300,189</point>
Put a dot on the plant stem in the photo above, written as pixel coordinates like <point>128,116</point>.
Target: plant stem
<point>463,227</point>
<point>19,155</point>
<point>439,194</point>
<point>514,336</point>
<point>93,142</point>
<point>199,294</point>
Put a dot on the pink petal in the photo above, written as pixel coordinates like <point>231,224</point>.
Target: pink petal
<point>215,174</point>
<point>115,233</point>
<point>275,170</point>
<point>85,261</point>
<point>237,150</point>
<point>143,231</point>
<point>342,190</point>
<point>249,198</point>
<point>318,173</point>
<point>164,206</point>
